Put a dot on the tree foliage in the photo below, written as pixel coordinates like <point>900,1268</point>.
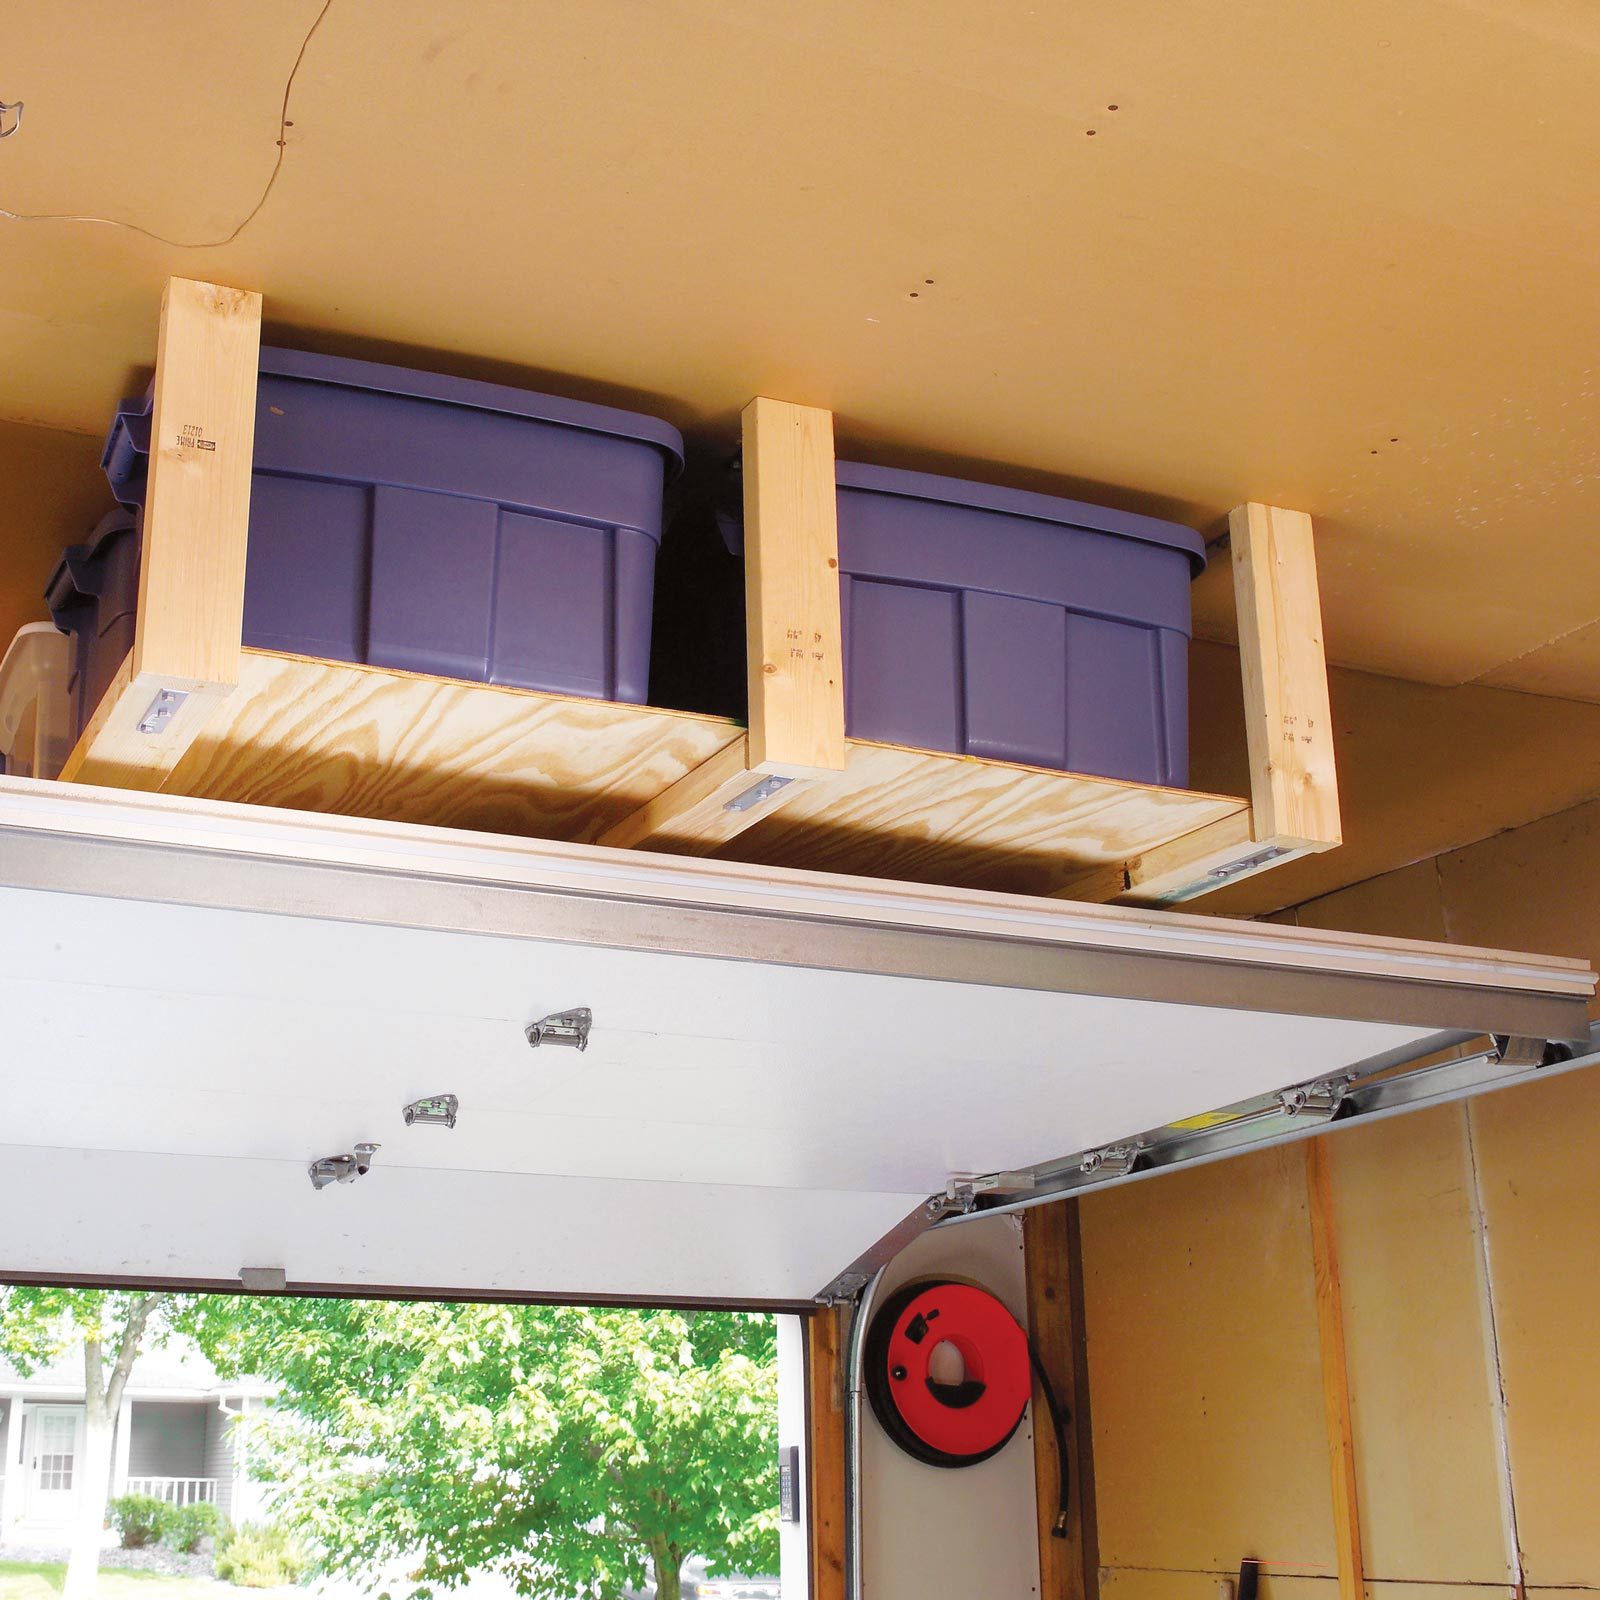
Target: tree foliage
<point>571,1450</point>
<point>108,1330</point>
<point>40,1324</point>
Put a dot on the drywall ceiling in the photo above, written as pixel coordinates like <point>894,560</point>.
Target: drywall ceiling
<point>1335,255</point>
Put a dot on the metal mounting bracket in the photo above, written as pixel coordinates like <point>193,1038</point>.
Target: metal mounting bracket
<point>1511,1050</point>
<point>432,1111</point>
<point>1111,1160</point>
<point>161,710</point>
<point>764,789</point>
<point>1369,1089</point>
<point>562,1027</point>
<point>1314,1102</point>
<point>342,1169</point>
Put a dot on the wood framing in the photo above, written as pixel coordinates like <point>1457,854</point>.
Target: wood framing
<point>825,1453</point>
<point>791,558</point>
<point>1335,1372</point>
<point>1294,791</point>
<point>344,738</point>
<point>188,632</point>
<point>1068,1567</point>
<point>193,712</point>
<point>1294,787</point>
<point>707,807</point>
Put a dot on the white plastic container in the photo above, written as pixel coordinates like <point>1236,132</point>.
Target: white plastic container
<point>35,703</point>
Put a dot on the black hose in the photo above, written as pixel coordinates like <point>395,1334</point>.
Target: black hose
<point>1058,1423</point>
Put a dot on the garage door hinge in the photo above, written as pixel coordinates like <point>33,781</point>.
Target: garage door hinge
<point>562,1027</point>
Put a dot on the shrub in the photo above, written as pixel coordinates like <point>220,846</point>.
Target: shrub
<point>188,1525</point>
<point>260,1558</point>
<point>140,1519</point>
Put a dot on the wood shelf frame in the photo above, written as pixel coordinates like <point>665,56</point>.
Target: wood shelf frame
<point>789,790</point>
<point>189,626</point>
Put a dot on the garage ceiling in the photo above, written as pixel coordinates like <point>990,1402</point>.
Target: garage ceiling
<point>1334,255</point>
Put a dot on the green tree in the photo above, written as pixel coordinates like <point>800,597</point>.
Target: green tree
<point>110,1329</point>
<point>571,1450</point>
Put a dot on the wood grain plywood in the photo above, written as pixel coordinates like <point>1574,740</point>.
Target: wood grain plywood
<point>361,741</point>
<point>1568,665</point>
<point>1406,903</point>
<point>1421,1376</point>
<point>962,190</point>
<point>930,818</point>
<point>1121,1583</point>
<point>1541,1194</point>
<point>1209,1439</point>
<point>1538,885</point>
<point>1421,770</point>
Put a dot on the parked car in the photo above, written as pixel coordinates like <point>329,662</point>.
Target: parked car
<point>702,1587</point>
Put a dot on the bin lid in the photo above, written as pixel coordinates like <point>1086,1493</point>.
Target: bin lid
<point>128,442</point>
<point>1023,503</point>
<point>72,581</point>
<point>376,375</point>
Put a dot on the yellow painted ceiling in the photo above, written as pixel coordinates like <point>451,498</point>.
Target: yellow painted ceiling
<point>1340,254</point>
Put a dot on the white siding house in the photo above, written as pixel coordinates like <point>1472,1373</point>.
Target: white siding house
<point>175,1439</point>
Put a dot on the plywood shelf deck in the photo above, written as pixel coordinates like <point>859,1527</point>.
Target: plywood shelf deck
<point>342,738</point>
<point>194,712</point>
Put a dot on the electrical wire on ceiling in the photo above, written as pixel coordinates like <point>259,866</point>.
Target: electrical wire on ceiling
<point>161,238</point>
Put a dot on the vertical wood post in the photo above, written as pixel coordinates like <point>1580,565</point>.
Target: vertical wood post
<point>1335,1373</point>
<point>189,629</point>
<point>825,1452</point>
<point>1068,1568</point>
<point>791,557</point>
<point>197,510</point>
<point>1294,784</point>
<point>1294,787</point>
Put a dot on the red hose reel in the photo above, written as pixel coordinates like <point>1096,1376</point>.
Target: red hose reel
<point>947,1424</point>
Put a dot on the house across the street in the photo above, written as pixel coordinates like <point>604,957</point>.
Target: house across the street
<point>175,1439</point>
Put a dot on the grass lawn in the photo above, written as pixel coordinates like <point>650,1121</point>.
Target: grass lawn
<point>29,1580</point>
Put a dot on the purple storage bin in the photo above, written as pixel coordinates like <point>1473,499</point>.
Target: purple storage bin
<point>94,595</point>
<point>461,529</point>
<point>1020,627</point>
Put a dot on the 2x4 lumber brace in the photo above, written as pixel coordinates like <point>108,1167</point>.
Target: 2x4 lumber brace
<point>793,640</point>
<point>1335,1372</point>
<point>719,799</point>
<point>1052,1259</point>
<point>791,555</point>
<point>1221,852</point>
<point>188,633</point>
<point>1294,785</point>
<point>825,1452</point>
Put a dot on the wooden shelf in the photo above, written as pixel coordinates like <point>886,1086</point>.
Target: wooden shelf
<point>360,741</point>
<point>396,746</point>
<point>791,790</point>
